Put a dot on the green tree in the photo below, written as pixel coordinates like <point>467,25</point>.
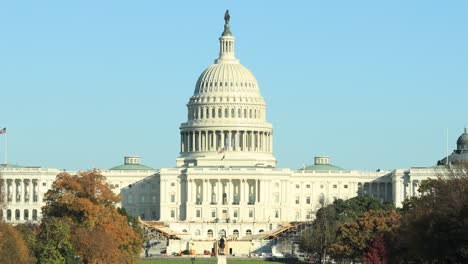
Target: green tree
<point>54,242</point>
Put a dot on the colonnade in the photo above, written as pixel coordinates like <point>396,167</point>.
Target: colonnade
<point>225,191</point>
<point>21,191</point>
<point>380,190</point>
<point>216,140</point>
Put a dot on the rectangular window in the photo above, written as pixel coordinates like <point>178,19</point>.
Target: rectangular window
<point>321,186</point>
<point>345,186</point>
<point>297,186</point>
<point>335,186</point>
<point>251,213</point>
<point>297,199</point>
<point>198,213</point>
<point>276,198</point>
<point>308,186</point>
<point>236,213</point>
<point>172,198</point>
<point>308,200</point>
<point>213,213</point>
<point>173,213</point>
<point>277,213</point>
<point>172,184</point>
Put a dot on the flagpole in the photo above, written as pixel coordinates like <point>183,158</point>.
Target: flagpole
<point>6,149</point>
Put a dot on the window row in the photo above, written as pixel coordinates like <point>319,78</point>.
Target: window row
<point>208,84</point>
<point>209,112</point>
<point>26,216</point>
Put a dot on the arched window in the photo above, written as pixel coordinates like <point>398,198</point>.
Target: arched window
<point>26,215</point>
<point>8,215</point>
<point>34,215</point>
<point>201,113</point>
<point>248,232</point>
<point>17,214</point>
<point>197,232</point>
<point>250,113</point>
<point>235,233</point>
<point>255,113</point>
<point>232,113</point>
<point>213,113</point>
<point>239,113</point>
<point>220,113</point>
<point>222,233</point>
<point>245,113</point>
<point>210,233</point>
<point>226,113</point>
<point>260,231</point>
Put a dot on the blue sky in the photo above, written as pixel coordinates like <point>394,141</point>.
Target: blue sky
<point>374,84</point>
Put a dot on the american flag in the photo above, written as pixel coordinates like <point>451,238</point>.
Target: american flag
<point>3,131</point>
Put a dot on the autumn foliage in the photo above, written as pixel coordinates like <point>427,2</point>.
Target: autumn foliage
<point>13,249</point>
<point>96,232</point>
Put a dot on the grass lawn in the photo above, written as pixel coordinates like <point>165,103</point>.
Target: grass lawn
<point>212,261</point>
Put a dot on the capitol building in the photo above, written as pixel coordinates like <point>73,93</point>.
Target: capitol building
<point>225,182</point>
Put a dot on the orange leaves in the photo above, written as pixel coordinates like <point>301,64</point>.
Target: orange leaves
<point>13,249</point>
<point>100,233</point>
<point>354,239</point>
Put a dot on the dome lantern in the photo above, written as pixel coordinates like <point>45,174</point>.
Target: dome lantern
<point>226,43</point>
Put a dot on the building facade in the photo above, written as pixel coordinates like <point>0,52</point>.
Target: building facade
<point>226,182</point>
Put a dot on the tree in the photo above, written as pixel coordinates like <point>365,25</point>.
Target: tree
<point>86,205</point>
<point>13,249</point>
<point>434,226</point>
<point>322,234</point>
<point>377,253</point>
<point>354,241</point>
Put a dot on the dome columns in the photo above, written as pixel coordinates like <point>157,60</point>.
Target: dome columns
<point>225,140</point>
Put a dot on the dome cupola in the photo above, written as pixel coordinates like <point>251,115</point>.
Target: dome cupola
<point>226,123</point>
<point>460,155</point>
<point>462,142</point>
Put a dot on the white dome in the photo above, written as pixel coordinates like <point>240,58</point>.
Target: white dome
<point>226,77</point>
<point>226,122</point>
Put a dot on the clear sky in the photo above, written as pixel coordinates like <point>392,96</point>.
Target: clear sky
<point>373,84</point>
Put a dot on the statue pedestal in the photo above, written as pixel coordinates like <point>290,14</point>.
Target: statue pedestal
<point>222,259</point>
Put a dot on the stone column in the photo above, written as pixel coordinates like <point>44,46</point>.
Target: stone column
<point>205,198</point>
<point>189,145</point>
<point>13,200</point>
<point>181,142</point>
<point>23,191</point>
<point>241,191</point>
<point>193,141</point>
<point>222,140</point>
<point>39,191</point>
<point>230,139</point>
